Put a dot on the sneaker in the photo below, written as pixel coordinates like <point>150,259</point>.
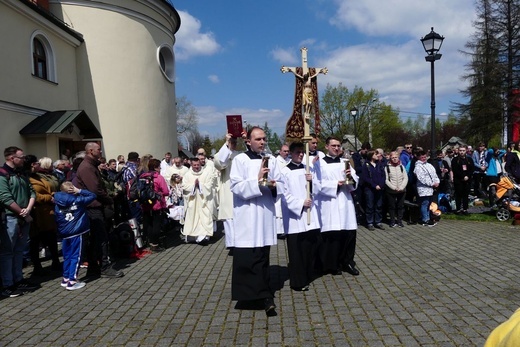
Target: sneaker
<point>26,286</point>
<point>84,265</point>
<point>64,282</point>
<point>380,226</point>
<point>429,223</point>
<point>400,225</point>
<point>392,225</point>
<point>75,285</point>
<point>11,292</point>
<point>111,272</point>
<point>371,227</point>
<point>465,213</point>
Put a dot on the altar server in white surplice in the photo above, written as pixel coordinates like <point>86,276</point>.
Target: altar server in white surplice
<point>254,223</point>
<point>337,212</point>
<point>302,238</point>
<point>223,161</point>
<point>197,186</point>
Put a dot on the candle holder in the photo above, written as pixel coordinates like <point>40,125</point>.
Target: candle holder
<point>348,177</point>
<point>265,163</point>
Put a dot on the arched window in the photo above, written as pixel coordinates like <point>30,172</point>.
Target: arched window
<point>43,60</point>
<point>166,62</point>
<point>39,59</point>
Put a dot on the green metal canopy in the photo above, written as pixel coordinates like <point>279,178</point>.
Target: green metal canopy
<point>57,122</point>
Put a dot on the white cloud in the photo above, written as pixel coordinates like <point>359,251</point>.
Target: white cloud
<point>191,42</point>
<point>214,78</point>
<point>399,73</point>
<point>284,55</point>
<point>406,17</point>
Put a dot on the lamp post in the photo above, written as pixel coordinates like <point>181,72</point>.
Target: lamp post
<point>432,43</point>
<point>353,113</point>
<point>367,108</point>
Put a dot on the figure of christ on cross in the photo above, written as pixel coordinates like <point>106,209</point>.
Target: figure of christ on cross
<point>307,94</point>
<point>308,100</point>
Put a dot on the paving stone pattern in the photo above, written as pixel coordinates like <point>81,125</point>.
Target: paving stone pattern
<point>449,285</point>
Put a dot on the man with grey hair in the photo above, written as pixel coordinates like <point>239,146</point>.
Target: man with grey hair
<point>60,167</point>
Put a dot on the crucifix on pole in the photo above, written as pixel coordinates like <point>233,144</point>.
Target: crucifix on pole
<point>305,106</point>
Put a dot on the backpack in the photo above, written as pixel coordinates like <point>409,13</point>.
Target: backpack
<point>142,190</point>
<point>120,184</point>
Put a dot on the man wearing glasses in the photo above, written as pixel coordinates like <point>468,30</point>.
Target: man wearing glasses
<point>337,211</point>
<point>17,199</point>
<point>406,155</point>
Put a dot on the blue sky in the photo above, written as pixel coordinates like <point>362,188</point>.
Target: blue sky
<point>229,54</point>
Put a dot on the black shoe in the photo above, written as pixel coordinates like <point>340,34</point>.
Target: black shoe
<point>400,225</point>
<point>336,273</point>
<point>156,249</point>
<point>301,289</point>
<point>351,269</point>
<point>11,292</point>
<point>269,307</point>
<point>110,272</point>
<point>26,286</point>
<point>204,241</point>
<point>371,227</point>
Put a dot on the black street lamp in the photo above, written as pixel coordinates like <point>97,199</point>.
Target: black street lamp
<point>353,113</point>
<point>432,43</point>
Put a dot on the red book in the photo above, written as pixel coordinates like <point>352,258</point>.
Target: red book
<point>234,125</point>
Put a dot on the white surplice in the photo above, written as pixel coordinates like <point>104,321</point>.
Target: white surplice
<point>335,204</point>
<point>254,205</point>
<point>223,161</point>
<point>294,195</point>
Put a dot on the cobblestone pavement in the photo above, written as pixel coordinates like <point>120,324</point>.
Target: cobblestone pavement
<point>449,285</point>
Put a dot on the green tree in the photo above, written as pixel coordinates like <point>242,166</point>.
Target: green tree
<point>374,119</point>
<point>494,70</point>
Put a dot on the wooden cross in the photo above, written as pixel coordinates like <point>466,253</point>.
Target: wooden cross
<point>308,102</point>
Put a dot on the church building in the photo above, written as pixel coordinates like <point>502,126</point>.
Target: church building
<point>74,71</point>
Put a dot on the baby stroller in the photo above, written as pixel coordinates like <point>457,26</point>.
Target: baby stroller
<point>507,193</point>
<point>175,205</point>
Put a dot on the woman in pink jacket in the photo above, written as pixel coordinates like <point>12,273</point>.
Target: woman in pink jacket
<point>153,212</point>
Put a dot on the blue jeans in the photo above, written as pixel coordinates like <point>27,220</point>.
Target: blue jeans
<point>424,202</point>
<point>374,205</point>
<point>13,240</point>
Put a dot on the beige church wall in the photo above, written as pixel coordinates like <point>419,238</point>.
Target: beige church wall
<point>18,85</point>
<point>12,122</point>
<point>121,85</point>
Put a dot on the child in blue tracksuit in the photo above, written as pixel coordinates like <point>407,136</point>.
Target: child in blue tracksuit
<point>72,221</point>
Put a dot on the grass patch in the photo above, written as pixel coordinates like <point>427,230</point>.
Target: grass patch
<point>485,216</point>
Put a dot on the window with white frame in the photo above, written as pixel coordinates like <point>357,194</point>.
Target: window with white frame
<point>43,60</point>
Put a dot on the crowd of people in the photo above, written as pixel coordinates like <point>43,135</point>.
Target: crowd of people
<point>316,203</point>
<point>392,183</point>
